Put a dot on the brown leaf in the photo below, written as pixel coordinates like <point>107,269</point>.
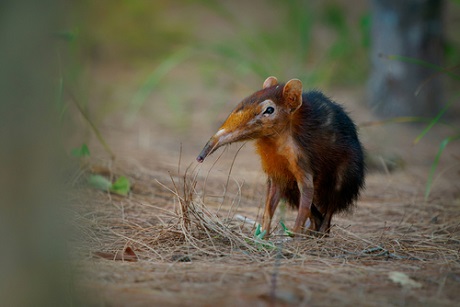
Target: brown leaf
<point>129,255</point>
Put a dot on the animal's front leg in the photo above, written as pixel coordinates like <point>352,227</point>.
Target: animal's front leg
<point>273,198</point>
<point>305,210</point>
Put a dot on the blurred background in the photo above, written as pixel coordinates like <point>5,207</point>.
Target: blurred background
<point>170,60</point>
<point>135,79</point>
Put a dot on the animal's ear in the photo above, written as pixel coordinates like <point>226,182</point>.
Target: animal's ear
<point>292,94</point>
<point>271,81</point>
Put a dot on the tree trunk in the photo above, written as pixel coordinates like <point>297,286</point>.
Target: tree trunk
<point>411,29</point>
<point>34,266</point>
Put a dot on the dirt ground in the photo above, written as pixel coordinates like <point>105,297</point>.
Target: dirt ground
<point>394,249</point>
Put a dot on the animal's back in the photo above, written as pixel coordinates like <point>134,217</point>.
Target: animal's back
<point>329,140</point>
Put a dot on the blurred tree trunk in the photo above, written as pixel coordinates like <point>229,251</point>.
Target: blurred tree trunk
<point>409,28</point>
<point>33,264</point>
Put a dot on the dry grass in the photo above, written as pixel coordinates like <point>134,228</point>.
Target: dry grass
<point>196,249</point>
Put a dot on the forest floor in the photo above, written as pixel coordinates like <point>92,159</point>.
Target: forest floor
<point>184,235</point>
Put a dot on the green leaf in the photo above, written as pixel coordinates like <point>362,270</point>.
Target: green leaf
<point>100,182</point>
<point>262,235</point>
<point>286,230</point>
<point>258,239</point>
<point>121,186</point>
<point>82,151</point>
<point>259,234</point>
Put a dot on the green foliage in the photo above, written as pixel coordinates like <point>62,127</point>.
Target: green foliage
<point>433,122</point>
<point>437,119</point>
<point>365,24</point>
<point>259,234</point>
<point>442,146</point>
<point>121,186</point>
<point>99,182</point>
<point>286,230</point>
<point>259,241</point>
<point>288,46</point>
<point>82,151</point>
<point>121,29</point>
<point>452,54</point>
<point>71,74</point>
<point>425,64</point>
<point>155,77</point>
<point>279,39</point>
<point>435,163</point>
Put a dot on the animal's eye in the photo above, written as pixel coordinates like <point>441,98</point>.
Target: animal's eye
<point>269,110</point>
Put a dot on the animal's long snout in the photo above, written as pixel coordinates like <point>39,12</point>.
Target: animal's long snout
<point>208,149</point>
<point>222,137</point>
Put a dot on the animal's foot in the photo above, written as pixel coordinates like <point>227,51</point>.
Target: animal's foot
<point>315,233</point>
<point>325,229</point>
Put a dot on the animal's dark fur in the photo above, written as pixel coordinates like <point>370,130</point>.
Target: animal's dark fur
<point>329,159</point>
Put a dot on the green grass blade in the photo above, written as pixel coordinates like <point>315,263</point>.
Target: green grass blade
<point>246,59</point>
<point>155,78</point>
<point>92,125</point>
<point>432,123</point>
<point>434,166</point>
<point>422,63</point>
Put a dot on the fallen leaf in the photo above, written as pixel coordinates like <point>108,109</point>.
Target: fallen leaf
<point>99,182</point>
<point>129,255</point>
<point>121,186</point>
<point>404,280</point>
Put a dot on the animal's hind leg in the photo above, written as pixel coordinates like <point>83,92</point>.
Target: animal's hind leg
<point>317,218</point>
<point>326,224</point>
